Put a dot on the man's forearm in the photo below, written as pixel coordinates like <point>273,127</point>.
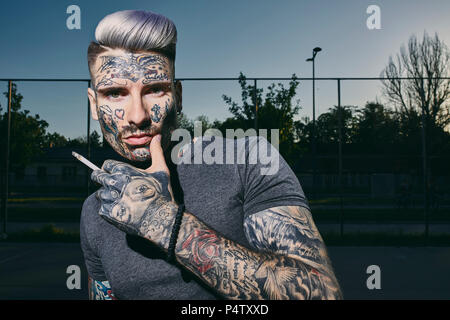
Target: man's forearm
<point>237,272</point>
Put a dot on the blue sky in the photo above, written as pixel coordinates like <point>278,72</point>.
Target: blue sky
<point>261,38</point>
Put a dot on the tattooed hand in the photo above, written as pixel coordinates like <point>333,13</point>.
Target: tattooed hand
<point>138,201</point>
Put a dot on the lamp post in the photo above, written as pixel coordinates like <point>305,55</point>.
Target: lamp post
<point>312,59</point>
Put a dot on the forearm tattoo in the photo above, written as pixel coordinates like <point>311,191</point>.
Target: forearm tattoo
<point>291,231</point>
<point>100,290</point>
<point>135,201</point>
<point>290,260</point>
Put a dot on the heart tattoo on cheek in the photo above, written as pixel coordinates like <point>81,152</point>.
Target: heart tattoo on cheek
<point>119,113</point>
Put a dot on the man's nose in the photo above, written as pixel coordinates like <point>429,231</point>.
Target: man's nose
<point>137,113</point>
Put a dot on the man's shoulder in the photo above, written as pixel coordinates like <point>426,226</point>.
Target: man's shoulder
<point>89,211</point>
<point>90,202</point>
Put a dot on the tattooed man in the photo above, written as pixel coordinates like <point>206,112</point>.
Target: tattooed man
<point>243,234</point>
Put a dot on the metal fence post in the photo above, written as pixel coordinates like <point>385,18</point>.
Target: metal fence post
<point>255,97</point>
<point>341,213</point>
<point>5,194</point>
<point>88,140</point>
<point>425,169</point>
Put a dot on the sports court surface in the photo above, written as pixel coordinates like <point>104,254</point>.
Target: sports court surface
<point>38,271</point>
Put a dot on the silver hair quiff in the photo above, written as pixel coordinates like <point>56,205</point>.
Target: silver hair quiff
<point>135,30</point>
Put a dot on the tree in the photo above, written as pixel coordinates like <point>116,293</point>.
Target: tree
<point>27,132</point>
<point>425,62</point>
<point>275,111</point>
<point>377,130</point>
<point>55,140</point>
<point>95,140</point>
<point>185,123</point>
<point>327,129</point>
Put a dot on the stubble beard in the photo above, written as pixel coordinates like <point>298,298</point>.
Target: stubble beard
<point>169,123</point>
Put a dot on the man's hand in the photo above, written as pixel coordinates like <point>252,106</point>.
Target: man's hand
<point>138,201</point>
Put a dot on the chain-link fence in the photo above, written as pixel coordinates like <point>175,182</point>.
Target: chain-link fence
<point>363,166</point>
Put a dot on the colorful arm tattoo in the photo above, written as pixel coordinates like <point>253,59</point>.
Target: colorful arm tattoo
<point>290,260</point>
<point>100,290</point>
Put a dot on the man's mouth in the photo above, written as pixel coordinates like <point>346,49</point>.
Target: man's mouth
<point>138,139</point>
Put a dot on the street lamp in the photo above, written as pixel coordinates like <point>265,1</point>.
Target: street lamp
<point>315,51</point>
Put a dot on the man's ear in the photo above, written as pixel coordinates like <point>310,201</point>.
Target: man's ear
<point>93,103</point>
<point>179,95</point>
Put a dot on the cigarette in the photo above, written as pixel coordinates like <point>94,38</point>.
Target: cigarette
<point>85,161</point>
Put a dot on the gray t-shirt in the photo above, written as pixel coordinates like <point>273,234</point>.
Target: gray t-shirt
<point>220,195</point>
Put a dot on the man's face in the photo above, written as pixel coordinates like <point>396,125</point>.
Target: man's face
<point>133,94</point>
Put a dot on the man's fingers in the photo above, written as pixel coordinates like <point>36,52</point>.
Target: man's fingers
<point>102,177</point>
<point>116,167</point>
<point>156,151</point>
<point>110,165</point>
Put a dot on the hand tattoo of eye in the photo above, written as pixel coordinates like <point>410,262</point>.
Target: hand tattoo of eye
<point>142,188</point>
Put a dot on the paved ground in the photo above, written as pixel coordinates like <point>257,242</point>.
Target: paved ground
<point>394,227</point>
<point>38,271</point>
<point>406,272</point>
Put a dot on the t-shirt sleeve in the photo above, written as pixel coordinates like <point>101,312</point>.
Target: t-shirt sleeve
<point>87,233</point>
<point>268,180</point>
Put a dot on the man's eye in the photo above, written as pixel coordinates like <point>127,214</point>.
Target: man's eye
<point>156,90</point>
<point>113,94</point>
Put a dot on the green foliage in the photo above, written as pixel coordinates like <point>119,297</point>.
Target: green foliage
<point>55,140</point>
<point>327,129</point>
<point>29,136</point>
<point>27,132</point>
<point>95,141</point>
<point>188,124</point>
<point>275,111</point>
